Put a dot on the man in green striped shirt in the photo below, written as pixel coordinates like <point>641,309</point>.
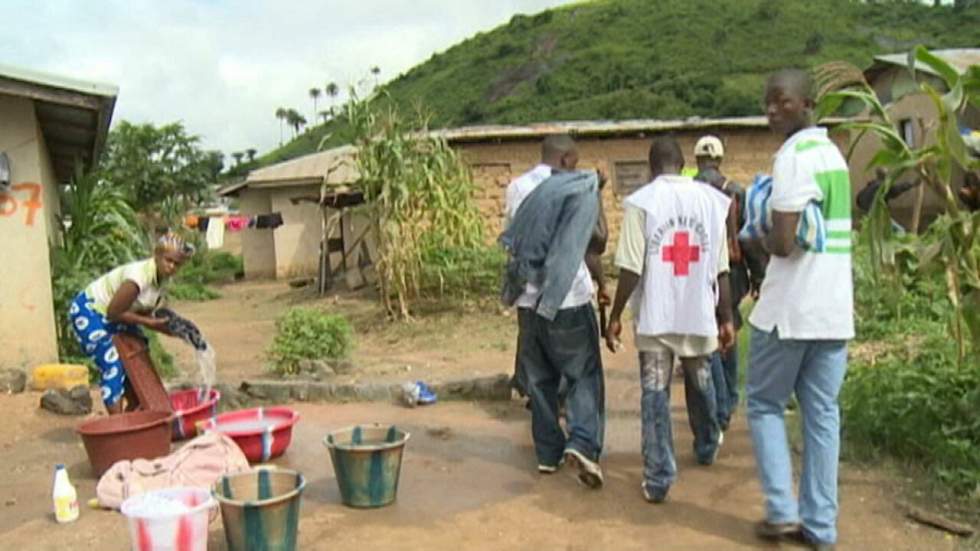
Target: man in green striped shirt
<point>802,322</point>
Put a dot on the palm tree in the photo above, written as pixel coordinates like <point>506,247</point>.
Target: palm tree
<point>281,114</point>
<point>238,157</point>
<point>375,71</point>
<point>333,91</point>
<point>315,94</point>
<point>251,153</point>
<point>295,120</point>
<point>325,115</point>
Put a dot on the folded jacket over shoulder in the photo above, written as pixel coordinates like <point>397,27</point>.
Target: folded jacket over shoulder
<point>547,238</point>
<point>811,233</point>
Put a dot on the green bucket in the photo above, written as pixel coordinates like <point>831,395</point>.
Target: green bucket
<point>260,509</point>
<point>367,460</point>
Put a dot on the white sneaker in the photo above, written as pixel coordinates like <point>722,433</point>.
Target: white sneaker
<point>589,472</point>
<point>550,469</point>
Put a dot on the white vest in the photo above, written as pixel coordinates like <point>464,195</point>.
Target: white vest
<point>684,233</point>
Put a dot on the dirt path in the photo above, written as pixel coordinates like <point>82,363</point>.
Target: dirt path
<point>442,346</point>
<point>476,489</point>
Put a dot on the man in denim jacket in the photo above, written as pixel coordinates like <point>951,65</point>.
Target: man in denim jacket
<point>552,212</point>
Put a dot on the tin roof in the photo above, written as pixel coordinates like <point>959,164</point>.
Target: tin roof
<point>602,128</point>
<point>336,167</point>
<point>73,114</point>
<point>959,58</point>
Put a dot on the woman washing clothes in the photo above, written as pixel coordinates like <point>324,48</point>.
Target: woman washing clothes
<point>120,302</point>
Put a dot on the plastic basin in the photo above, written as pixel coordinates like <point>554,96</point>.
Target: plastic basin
<point>189,410</point>
<point>260,509</point>
<point>367,461</point>
<point>152,528</point>
<point>134,435</point>
<point>261,433</point>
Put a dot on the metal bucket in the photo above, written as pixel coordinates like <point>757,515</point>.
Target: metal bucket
<point>367,461</point>
<point>260,509</point>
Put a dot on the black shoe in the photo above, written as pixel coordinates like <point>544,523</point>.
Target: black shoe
<point>773,531</point>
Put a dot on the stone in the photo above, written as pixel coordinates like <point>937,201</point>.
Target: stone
<point>77,401</point>
<point>306,366</point>
<point>492,388</point>
<point>372,392</point>
<point>272,391</point>
<point>341,367</point>
<point>323,368</point>
<point>12,381</point>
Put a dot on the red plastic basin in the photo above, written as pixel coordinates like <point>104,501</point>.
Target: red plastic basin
<point>261,433</point>
<point>189,410</point>
<point>134,435</point>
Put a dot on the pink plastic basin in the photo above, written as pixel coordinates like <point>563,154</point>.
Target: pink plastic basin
<point>189,410</point>
<point>261,433</point>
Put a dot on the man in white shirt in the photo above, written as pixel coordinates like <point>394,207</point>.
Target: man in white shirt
<point>567,347</point>
<point>673,261</point>
<point>802,322</point>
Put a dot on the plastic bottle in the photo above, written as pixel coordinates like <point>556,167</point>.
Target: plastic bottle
<point>65,497</point>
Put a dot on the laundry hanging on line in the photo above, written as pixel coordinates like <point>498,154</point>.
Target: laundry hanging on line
<point>234,222</point>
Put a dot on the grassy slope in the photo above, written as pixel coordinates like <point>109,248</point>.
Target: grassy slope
<point>617,59</point>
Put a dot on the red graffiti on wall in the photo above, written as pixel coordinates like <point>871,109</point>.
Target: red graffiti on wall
<point>9,203</point>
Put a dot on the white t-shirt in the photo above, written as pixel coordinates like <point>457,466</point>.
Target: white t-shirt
<point>810,295</point>
<point>582,288</point>
<point>631,255</point>
<point>142,272</point>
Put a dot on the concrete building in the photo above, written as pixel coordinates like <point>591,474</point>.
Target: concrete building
<point>292,188</point>
<point>915,117</point>
<point>496,155</point>
<point>47,125</point>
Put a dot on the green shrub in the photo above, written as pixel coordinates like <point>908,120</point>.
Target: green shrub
<point>920,407</point>
<point>309,334</point>
<point>203,269</point>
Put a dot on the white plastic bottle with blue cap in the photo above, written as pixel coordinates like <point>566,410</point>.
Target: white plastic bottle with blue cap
<point>64,495</point>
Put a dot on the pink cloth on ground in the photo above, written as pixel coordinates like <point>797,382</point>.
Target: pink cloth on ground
<point>199,464</point>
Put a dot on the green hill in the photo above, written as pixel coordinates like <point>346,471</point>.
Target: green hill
<point>619,59</point>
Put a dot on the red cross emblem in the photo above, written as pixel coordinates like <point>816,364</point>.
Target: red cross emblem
<point>681,253</point>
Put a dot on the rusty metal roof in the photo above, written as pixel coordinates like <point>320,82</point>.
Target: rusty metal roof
<point>335,167</point>
<point>960,58</point>
<point>74,115</point>
<point>605,128</point>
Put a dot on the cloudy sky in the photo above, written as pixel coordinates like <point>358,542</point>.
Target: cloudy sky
<point>223,66</point>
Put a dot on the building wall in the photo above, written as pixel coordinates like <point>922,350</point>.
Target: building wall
<point>258,246</point>
<point>921,112</point>
<point>494,165</point>
<point>298,239</point>
<point>27,325</point>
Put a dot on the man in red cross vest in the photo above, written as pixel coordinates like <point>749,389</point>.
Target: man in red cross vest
<point>673,261</point>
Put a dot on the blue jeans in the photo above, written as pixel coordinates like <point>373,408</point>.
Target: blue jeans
<point>724,375</point>
<point>656,372</point>
<point>815,370</point>
<point>550,350</point>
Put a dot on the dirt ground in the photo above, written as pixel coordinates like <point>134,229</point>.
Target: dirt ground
<point>468,477</point>
<point>439,346</point>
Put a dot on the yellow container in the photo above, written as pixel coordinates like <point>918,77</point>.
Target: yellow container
<point>65,376</point>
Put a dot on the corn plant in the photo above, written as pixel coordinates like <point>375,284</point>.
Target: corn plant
<point>951,245</point>
<point>418,194</point>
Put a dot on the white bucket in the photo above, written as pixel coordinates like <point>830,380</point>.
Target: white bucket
<point>174,519</point>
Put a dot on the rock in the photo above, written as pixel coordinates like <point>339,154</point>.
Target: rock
<point>323,368</point>
<point>77,401</point>
<point>273,391</point>
<point>341,366</point>
<point>305,366</point>
<point>10,502</point>
<point>12,381</point>
<point>373,392</point>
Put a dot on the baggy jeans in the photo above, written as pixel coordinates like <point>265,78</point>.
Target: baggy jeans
<point>656,372</point>
<point>815,370</point>
<point>724,375</point>
<point>549,350</point>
